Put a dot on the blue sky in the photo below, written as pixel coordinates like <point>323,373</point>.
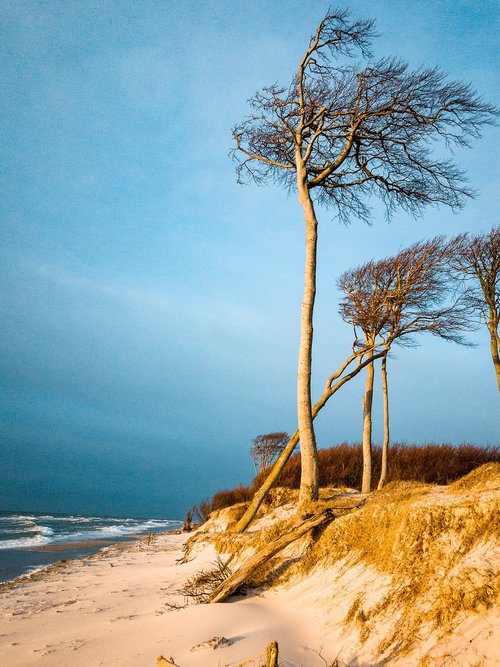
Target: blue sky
<point>150,308</point>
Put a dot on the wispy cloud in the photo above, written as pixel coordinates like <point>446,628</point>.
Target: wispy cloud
<point>136,297</point>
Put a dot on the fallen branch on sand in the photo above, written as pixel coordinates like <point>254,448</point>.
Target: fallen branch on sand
<point>201,586</point>
<point>240,576</point>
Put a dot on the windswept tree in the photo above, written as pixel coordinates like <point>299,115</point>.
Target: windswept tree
<point>342,132</point>
<point>390,301</point>
<point>476,263</point>
<point>266,448</point>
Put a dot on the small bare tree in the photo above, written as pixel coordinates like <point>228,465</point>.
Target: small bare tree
<point>200,512</point>
<point>391,300</point>
<point>266,448</point>
<point>341,133</point>
<point>476,263</point>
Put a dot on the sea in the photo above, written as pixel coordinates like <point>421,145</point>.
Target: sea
<point>32,541</point>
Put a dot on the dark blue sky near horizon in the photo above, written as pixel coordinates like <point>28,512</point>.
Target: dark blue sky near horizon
<point>150,304</point>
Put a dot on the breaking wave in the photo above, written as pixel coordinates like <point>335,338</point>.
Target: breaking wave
<point>18,531</point>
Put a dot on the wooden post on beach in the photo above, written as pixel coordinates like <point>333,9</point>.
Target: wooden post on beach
<point>163,662</point>
<point>272,655</point>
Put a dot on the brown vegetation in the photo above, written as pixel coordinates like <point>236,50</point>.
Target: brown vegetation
<point>240,494</point>
<point>341,466</point>
<point>431,463</point>
<point>220,500</point>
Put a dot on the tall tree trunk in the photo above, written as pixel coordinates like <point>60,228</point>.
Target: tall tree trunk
<point>495,347</point>
<point>367,429</point>
<point>309,481</point>
<point>385,445</point>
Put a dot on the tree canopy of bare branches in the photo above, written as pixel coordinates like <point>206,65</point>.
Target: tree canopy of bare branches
<point>393,299</point>
<point>354,130</point>
<point>344,131</point>
<point>476,263</point>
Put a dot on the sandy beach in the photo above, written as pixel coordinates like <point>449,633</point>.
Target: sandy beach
<point>111,609</point>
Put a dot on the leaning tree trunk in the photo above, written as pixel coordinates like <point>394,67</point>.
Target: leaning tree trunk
<point>367,429</point>
<point>385,445</point>
<point>263,556</point>
<point>270,481</point>
<point>309,481</point>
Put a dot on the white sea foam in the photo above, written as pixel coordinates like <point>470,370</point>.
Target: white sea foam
<point>27,530</point>
<point>112,532</point>
<point>25,542</point>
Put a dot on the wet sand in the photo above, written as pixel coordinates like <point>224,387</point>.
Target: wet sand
<point>21,562</point>
<point>74,546</point>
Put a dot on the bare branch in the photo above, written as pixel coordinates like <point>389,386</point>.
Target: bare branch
<point>392,299</point>
<point>361,130</point>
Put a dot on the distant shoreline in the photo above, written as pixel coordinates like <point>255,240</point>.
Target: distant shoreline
<point>82,544</point>
<point>84,550</point>
<point>33,542</point>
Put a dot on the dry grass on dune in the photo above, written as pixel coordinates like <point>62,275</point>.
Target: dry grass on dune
<point>486,475</point>
<point>341,466</point>
<point>434,544</point>
<point>428,549</point>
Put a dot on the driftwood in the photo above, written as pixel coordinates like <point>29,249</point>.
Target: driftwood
<point>228,587</point>
<point>163,662</point>
<point>271,657</point>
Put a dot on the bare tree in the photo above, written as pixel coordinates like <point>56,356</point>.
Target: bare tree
<point>266,448</point>
<point>476,263</point>
<point>391,300</point>
<point>343,132</point>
